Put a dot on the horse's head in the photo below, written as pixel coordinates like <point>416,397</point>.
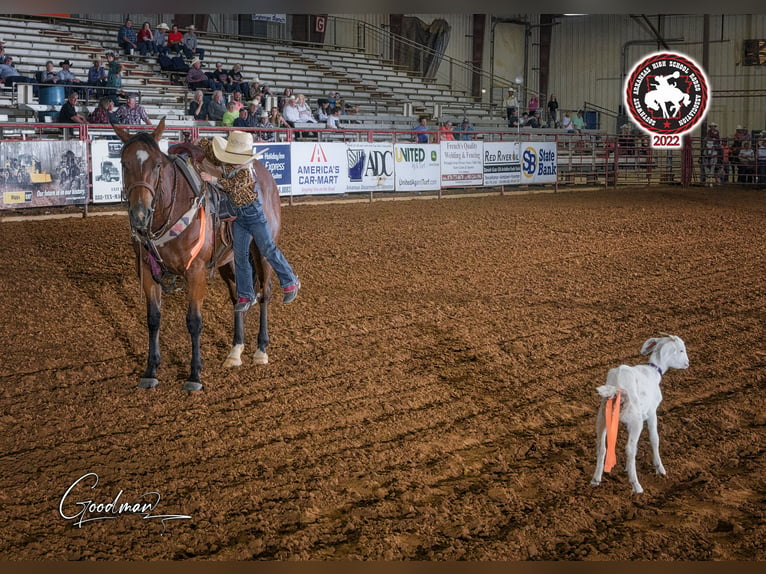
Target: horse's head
<point>142,163</point>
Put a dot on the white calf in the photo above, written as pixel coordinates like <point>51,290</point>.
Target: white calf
<point>640,395</point>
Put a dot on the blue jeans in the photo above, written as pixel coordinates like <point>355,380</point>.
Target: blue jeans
<point>251,224</point>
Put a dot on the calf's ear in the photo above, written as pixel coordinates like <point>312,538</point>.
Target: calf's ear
<point>649,346</point>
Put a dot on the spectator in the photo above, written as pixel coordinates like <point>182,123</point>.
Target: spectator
<point>145,40</point>
<point>236,97</point>
<point>254,111</point>
<point>230,114</point>
<point>512,108</point>
<point>626,143</point>
<point>304,110</point>
<point>127,39</point>
<point>276,119</point>
<point>222,80</point>
<point>196,79</point>
<point>746,163</point>
<point>161,40</point>
<point>190,44</point>
<point>578,123</point>
<point>243,120</point>
<point>104,112</point>
<point>534,104</point>
<point>175,40</point>
<point>267,93</point>
<point>68,113</point>
<point>422,128</point>
<point>67,77</point>
<point>333,119</point>
<point>255,90</point>
<point>534,121</point>
<point>49,75</point>
<point>445,132</point>
<point>566,123</point>
<point>282,100</point>
<point>465,130</point>
<point>740,134</point>
<point>132,113</point>
<point>324,110</point>
<point>264,123</point>
<point>216,107</point>
<point>290,113</point>
<point>114,76</point>
<point>97,75</point>
<point>553,112</point>
<point>9,75</point>
<point>331,100</point>
<point>197,106</point>
<point>524,119</point>
<point>238,79</point>
<point>350,109</point>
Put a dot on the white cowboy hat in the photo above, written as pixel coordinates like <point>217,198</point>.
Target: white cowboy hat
<point>195,60</point>
<point>163,26</point>
<point>238,149</point>
<point>191,27</point>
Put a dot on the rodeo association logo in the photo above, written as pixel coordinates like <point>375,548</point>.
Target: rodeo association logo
<point>667,95</point>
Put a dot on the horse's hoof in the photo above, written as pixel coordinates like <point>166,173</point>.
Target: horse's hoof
<point>192,386</point>
<point>147,383</point>
<point>260,358</point>
<point>230,363</point>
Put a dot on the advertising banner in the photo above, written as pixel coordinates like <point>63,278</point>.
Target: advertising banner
<point>462,163</point>
<point>417,167</point>
<point>502,163</point>
<point>277,160</point>
<point>43,173</point>
<point>370,166</point>
<point>107,169</point>
<point>319,168</point>
<point>538,162</point>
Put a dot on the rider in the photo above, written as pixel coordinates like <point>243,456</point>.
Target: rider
<point>234,156</point>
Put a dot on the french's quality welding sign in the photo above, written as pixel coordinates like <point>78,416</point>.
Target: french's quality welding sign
<point>667,94</point>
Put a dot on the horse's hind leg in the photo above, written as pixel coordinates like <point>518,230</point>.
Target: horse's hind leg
<point>153,294</point>
<point>234,359</point>
<point>263,270</point>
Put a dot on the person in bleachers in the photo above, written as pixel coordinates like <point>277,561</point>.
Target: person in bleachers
<point>276,119</point>
<point>190,42</point>
<point>127,38</point>
<point>216,107</point>
<point>175,40</point>
<point>161,40</point>
<point>264,123</point>
<point>221,78</point>
<point>196,79</point>
<point>239,80</point>
<point>66,76</point>
<point>445,132</point>
<point>267,93</point>
<point>145,38</point>
<point>534,120</point>
<point>132,113</point>
<point>512,108</point>
<point>255,109</point>
<point>97,75</point>
<point>332,119</point>
<point>282,99</point>
<point>103,113</point>
<point>49,75</point>
<point>113,77</point>
<point>236,98</point>
<point>422,129</point>
<point>229,115</point>
<point>290,113</point>
<point>10,76</point>
<point>68,113</point>
<point>465,130</point>
<point>324,110</point>
<point>243,120</point>
<point>305,114</point>
<point>3,55</point>
<point>197,106</point>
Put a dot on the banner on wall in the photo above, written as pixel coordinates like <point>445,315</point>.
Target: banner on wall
<point>107,169</point>
<point>417,167</point>
<point>461,163</point>
<point>43,173</point>
<point>370,166</point>
<point>278,161</point>
<point>276,18</point>
<point>319,168</point>
<point>502,163</point>
<point>538,162</point>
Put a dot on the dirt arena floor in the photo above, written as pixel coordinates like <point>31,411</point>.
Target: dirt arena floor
<point>430,395</point>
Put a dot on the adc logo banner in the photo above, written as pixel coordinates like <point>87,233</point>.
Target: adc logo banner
<point>370,166</point>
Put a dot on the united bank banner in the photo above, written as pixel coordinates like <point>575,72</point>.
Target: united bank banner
<point>418,167</point>
<point>43,173</point>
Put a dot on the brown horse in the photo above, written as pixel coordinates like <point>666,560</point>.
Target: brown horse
<point>175,234</point>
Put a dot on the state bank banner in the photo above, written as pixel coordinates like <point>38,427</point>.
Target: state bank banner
<point>502,163</point>
<point>417,167</point>
<point>278,161</point>
<point>43,173</point>
<point>538,162</point>
<point>107,169</point>
<point>462,163</point>
<point>319,168</point>
<point>370,166</point>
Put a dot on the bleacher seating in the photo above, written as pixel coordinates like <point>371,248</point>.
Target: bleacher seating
<point>378,87</point>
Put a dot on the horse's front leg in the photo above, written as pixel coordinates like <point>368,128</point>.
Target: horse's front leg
<point>234,358</point>
<point>260,356</point>
<point>195,279</point>
<point>153,294</point>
